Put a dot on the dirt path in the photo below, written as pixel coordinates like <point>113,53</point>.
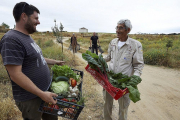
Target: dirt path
<point>160,95</point>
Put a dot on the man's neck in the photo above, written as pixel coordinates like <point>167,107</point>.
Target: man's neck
<point>123,39</point>
<point>21,29</point>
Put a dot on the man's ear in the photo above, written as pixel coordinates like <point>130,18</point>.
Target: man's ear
<point>23,16</point>
<point>128,30</point>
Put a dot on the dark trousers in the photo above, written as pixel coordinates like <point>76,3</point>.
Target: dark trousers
<point>30,111</point>
<point>94,47</point>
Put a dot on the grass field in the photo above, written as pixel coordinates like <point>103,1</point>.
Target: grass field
<point>155,53</point>
<point>155,48</point>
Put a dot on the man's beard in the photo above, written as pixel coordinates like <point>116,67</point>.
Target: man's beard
<point>29,27</point>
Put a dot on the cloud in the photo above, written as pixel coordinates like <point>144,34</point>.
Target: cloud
<point>102,15</point>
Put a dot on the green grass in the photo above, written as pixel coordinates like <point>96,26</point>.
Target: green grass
<point>154,48</point>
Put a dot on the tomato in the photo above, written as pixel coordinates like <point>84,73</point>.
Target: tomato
<point>73,100</point>
<point>64,99</point>
<point>56,107</point>
<point>50,107</point>
<point>73,83</point>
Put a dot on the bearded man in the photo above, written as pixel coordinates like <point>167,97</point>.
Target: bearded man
<point>25,64</point>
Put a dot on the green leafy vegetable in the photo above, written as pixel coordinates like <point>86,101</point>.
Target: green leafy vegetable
<point>123,81</point>
<point>134,94</point>
<point>118,80</point>
<point>64,71</point>
<point>95,61</point>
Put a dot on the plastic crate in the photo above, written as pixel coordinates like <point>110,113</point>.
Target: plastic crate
<point>102,79</point>
<point>65,109</point>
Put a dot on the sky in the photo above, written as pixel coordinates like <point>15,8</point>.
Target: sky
<point>146,16</point>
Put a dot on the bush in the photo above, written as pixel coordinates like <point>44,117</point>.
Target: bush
<point>155,57</point>
<point>53,52</point>
<point>48,43</point>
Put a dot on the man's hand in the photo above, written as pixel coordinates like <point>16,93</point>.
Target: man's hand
<point>53,62</point>
<point>48,97</point>
<point>59,62</point>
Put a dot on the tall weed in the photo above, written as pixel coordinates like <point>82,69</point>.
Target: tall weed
<point>155,57</point>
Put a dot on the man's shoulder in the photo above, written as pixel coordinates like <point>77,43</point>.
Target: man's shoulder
<point>12,34</point>
<point>9,36</point>
<point>114,41</point>
<point>134,41</point>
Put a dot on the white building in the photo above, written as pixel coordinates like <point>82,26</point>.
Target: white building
<point>83,30</point>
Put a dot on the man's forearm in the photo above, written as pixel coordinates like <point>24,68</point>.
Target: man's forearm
<point>50,61</point>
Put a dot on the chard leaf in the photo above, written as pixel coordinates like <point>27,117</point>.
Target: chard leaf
<point>134,94</point>
<point>123,85</point>
<point>103,64</point>
<point>122,80</point>
<point>90,59</point>
<point>93,55</point>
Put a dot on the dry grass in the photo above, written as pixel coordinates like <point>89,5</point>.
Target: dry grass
<point>8,109</point>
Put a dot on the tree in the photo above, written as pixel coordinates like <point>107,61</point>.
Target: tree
<point>58,33</point>
<point>61,29</point>
<point>5,25</point>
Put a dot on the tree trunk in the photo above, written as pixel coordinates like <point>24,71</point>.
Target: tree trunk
<point>62,50</point>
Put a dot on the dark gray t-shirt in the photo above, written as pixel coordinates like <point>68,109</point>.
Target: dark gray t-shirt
<point>20,49</point>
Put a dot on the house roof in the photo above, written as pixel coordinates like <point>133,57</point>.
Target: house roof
<point>83,28</point>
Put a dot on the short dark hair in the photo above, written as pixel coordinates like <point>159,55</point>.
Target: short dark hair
<point>21,7</point>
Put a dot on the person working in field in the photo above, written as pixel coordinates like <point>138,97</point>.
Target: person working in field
<point>94,39</point>
<point>126,57</point>
<point>25,64</point>
<point>74,43</point>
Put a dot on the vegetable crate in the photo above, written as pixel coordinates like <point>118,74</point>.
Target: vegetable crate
<point>102,79</point>
<point>63,108</point>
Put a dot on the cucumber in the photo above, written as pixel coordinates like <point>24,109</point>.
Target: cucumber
<point>62,78</point>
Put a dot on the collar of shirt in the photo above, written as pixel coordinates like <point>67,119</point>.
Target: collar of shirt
<point>127,41</point>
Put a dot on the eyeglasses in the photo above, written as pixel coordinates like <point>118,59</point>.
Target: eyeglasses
<point>24,6</point>
<point>119,28</point>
